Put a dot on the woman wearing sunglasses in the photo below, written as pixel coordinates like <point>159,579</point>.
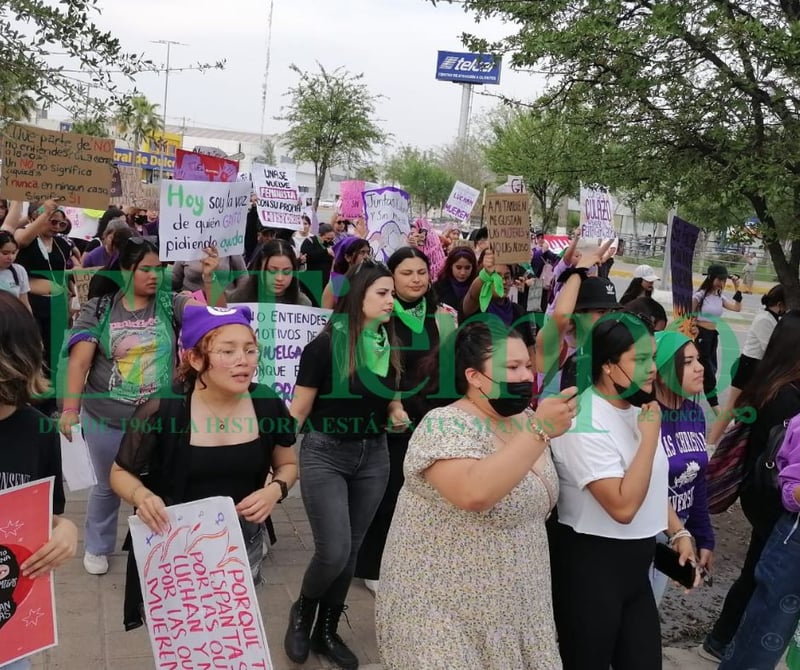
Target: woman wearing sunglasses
<point>121,352</point>
<point>220,435</point>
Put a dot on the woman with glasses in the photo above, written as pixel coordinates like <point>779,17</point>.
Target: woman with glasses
<point>218,435</point>
<point>272,277</point>
<point>345,400</point>
<point>46,255</point>
<point>121,352</point>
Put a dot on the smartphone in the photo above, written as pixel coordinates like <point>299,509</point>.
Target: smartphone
<point>666,561</point>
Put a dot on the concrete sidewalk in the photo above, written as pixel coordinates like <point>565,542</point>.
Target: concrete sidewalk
<point>91,634</point>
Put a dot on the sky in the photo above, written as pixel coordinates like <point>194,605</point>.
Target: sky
<point>392,42</point>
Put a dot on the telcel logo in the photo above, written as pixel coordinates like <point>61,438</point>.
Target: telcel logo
<point>467,64</point>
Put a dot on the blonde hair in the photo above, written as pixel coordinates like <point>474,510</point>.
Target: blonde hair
<point>21,374</point>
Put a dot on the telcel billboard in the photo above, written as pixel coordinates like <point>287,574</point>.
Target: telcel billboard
<point>468,68</point>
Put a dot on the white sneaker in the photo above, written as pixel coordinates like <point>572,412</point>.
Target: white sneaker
<point>95,565</point>
<point>372,585</point>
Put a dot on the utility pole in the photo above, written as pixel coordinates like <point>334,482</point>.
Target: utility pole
<point>466,104</point>
<point>169,44</point>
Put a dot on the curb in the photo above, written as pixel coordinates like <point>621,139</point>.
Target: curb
<point>627,274</point>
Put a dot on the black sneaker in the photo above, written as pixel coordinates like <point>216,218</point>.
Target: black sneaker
<point>712,650</point>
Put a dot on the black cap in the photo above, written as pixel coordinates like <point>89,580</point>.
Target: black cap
<point>596,293</point>
<point>717,271</point>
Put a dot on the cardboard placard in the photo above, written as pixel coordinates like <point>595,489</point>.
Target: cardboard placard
<point>597,212</point>
<point>279,204</point>
<point>461,201</point>
<point>508,221</point>
<point>192,166</point>
<point>135,192</point>
<point>43,164</point>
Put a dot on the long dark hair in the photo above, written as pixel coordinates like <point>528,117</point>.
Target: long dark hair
<point>612,336</point>
<point>109,215</point>
<point>778,368</point>
<point>350,247</point>
<point>248,291</point>
<point>457,254</point>
<point>647,309</point>
<point>403,254</point>
<point>350,312</point>
<point>21,376</point>
<point>130,256</point>
<point>774,296</point>
<point>634,291</point>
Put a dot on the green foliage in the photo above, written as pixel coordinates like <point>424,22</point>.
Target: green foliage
<point>32,30</point>
<point>331,121</point>
<point>95,126</point>
<point>419,173</point>
<point>697,98</point>
<point>464,161</point>
<point>267,156</point>
<point>137,120</point>
<point>15,103</point>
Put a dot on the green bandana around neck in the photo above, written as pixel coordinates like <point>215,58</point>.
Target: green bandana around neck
<point>492,284</point>
<point>375,350</point>
<point>414,318</point>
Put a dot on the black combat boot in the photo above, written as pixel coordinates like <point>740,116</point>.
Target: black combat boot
<point>296,644</point>
<point>326,641</point>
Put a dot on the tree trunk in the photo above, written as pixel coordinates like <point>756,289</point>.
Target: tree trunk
<point>786,269</point>
<point>319,170</point>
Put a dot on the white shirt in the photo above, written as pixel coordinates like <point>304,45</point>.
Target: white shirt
<point>582,457</point>
<point>7,282</point>
<point>755,343</point>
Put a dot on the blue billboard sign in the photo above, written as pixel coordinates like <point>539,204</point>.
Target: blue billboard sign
<point>467,68</point>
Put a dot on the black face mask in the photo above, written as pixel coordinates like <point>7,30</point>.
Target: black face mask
<point>636,398</point>
<point>514,397</point>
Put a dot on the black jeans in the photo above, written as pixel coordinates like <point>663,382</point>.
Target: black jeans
<point>707,344</point>
<point>605,612</point>
<point>343,482</point>
<point>368,565</point>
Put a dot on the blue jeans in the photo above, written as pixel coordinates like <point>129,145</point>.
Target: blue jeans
<point>772,615</point>
<point>343,482</point>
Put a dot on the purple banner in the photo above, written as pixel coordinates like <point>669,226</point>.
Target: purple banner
<point>682,242</point>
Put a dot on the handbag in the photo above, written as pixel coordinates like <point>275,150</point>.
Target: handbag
<point>726,468</point>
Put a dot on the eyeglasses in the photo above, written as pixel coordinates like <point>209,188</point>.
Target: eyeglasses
<point>57,222</point>
<point>228,358</point>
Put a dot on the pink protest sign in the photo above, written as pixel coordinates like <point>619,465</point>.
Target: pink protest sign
<point>191,166</point>
<point>200,601</point>
<point>352,202</point>
<point>27,607</point>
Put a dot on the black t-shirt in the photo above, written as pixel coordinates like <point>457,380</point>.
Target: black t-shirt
<point>352,410</point>
<point>317,257</point>
<point>30,449</point>
<point>40,265</point>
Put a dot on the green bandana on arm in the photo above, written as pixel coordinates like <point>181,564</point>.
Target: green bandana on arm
<point>414,318</point>
<point>492,285</point>
<point>375,351</point>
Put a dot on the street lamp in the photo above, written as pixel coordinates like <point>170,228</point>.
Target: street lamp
<point>169,44</point>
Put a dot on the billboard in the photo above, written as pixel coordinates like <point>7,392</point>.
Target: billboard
<point>467,68</point>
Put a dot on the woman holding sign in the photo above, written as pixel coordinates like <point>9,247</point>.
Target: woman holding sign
<point>121,352</point>
<point>344,400</point>
<point>220,436</point>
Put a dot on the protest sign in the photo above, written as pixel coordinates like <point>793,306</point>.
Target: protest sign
<point>84,222</point>
<point>200,602</point>
<point>683,238</point>
<point>387,215</point>
<point>27,606</point>
<point>461,201</point>
<point>282,332</point>
<point>135,192</point>
<point>191,166</point>
<point>514,184</point>
<point>196,214</point>
<point>597,212</point>
<point>352,202</point>
<point>115,190</point>
<point>508,221</point>
<point>279,204</point>
<point>82,280</point>
<point>42,164</point>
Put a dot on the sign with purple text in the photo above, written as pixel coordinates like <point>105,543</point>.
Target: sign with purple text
<point>352,202</point>
<point>200,602</point>
<point>198,214</point>
<point>282,332</point>
<point>461,201</point>
<point>279,202</point>
<point>597,212</point>
<point>683,238</point>
<point>387,214</point>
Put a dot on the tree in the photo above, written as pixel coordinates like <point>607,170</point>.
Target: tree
<point>545,151</point>
<point>267,156</point>
<point>91,125</point>
<point>137,120</point>
<point>419,173</point>
<point>331,121</point>
<point>34,29</point>
<point>702,95</point>
<point>465,162</point>
<point>15,103</point>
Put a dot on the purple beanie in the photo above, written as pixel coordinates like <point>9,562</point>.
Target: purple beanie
<point>199,320</point>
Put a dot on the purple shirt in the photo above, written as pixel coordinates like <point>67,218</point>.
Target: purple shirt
<point>683,438</point>
<point>788,462</point>
<point>96,258</point>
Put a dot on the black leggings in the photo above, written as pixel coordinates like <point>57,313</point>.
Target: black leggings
<point>707,343</point>
<point>605,612</point>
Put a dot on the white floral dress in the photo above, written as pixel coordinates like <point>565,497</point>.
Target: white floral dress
<point>465,590</point>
